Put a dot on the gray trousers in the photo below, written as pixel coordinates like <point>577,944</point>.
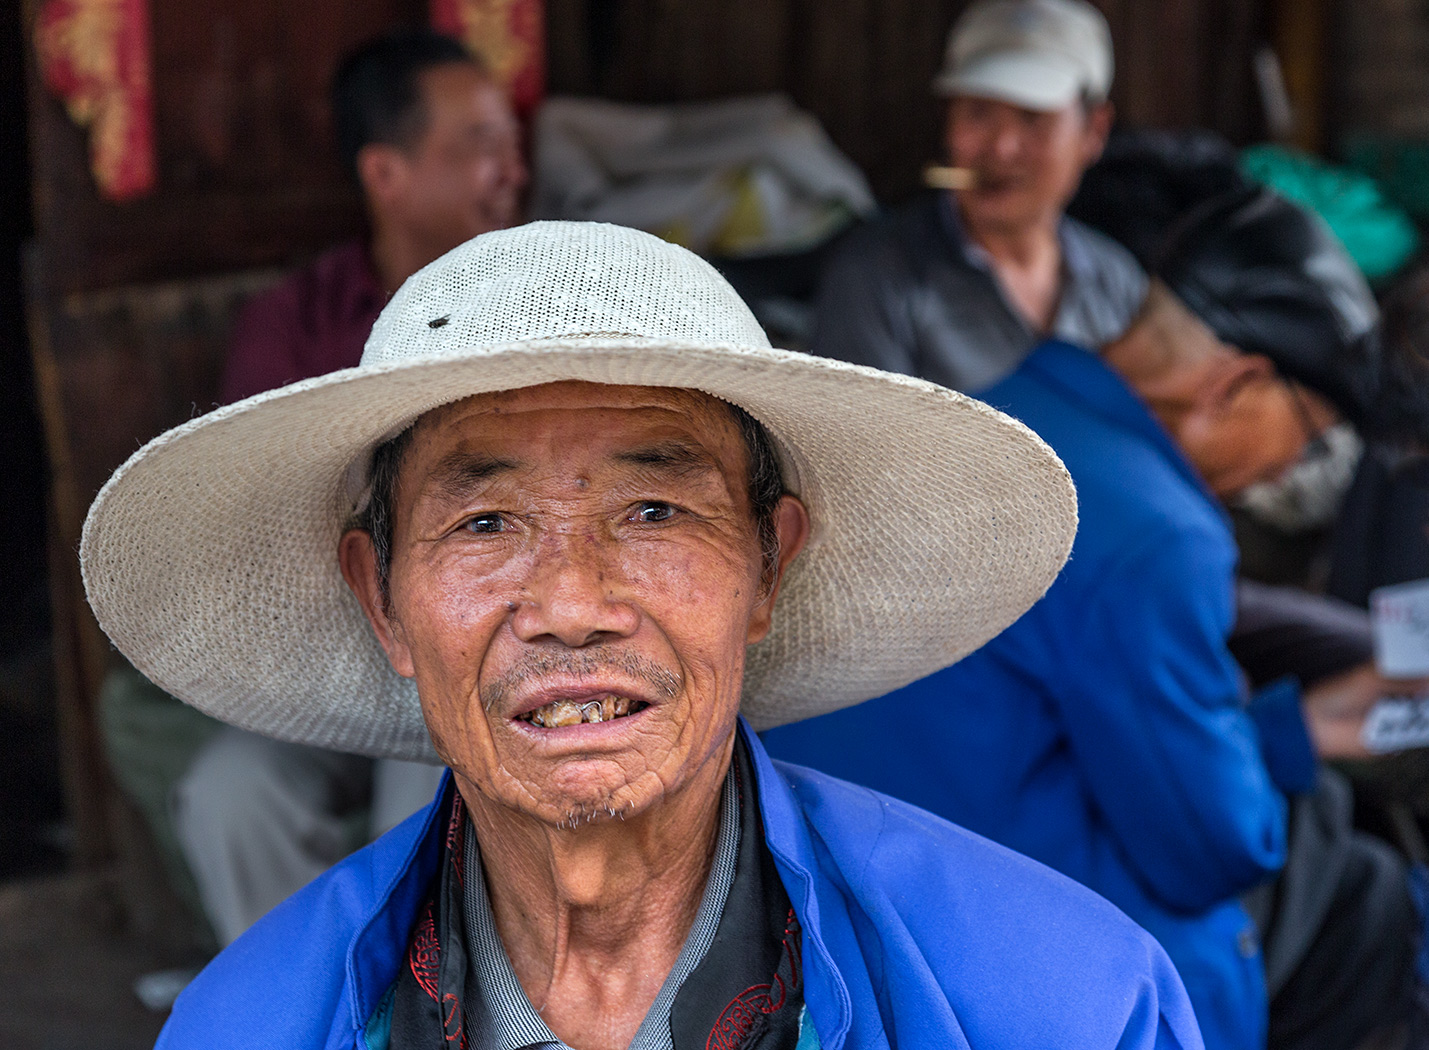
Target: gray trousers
<point>258,819</point>
<point>252,820</point>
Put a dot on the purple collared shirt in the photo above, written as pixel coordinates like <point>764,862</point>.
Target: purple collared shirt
<point>315,321</point>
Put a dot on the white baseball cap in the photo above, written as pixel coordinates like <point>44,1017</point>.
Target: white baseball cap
<point>1038,54</point>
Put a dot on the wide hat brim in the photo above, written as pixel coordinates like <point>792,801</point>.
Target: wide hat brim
<point>210,557</point>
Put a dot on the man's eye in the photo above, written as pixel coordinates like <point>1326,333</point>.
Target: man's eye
<point>652,512</point>
<point>485,523</point>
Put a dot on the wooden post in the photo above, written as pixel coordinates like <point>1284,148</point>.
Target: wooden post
<point>80,649</point>
<point>1300,32</point>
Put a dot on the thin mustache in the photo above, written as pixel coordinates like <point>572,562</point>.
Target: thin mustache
<point>582,664</point>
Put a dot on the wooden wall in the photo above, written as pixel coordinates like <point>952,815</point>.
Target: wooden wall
<point>248,181</point>
<point>246,173</point>
<point>130,305</point>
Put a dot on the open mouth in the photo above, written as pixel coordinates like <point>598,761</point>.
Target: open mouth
<point>560,713</point>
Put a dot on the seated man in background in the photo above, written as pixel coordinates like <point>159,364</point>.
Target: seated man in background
<point>432,142</point>
<point>1108,733</point>
<point>960,286</point>
<point>585,517</point>
<point>243,820</point>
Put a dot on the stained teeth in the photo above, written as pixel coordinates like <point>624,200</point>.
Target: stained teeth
<point>569,713</point>
<point>564,713</point>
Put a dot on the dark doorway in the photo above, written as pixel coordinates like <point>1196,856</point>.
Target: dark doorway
<point>31,808</point>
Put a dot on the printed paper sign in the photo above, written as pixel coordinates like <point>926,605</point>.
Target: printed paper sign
<point>1401,629</point>
<point>1394,725</point>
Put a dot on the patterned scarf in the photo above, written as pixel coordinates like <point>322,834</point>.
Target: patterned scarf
<point>745,994</point>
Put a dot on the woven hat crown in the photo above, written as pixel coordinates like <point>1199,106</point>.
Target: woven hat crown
<point>559,280</point>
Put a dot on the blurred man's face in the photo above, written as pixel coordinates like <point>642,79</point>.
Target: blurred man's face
<point>1028,162</point>
<point>1261,428</point>
<point>1231,413</point>
<point>464,174</point>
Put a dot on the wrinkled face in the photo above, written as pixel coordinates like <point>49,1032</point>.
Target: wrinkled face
<point>465,174</point>
<point>1028,162</point>
<point>1261,429</point>
<point>575,574</point>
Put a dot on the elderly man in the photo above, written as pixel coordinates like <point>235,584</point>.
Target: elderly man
<point>959,286</point>
<point>586,517</point>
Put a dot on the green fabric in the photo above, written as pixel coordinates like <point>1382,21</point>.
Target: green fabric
<point>1378,234</point>
<point>808,1037</point>
<point>1400,166</point>
<point>377,1035</point>
<point>151,739</point>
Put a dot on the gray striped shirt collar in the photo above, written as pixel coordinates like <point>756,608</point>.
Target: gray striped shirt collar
<point>498,1014</point>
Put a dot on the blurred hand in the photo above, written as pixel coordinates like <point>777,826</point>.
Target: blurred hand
<point>1336,708</point>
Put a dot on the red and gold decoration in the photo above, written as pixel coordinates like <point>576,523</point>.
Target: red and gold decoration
<point>94,55</point>
<point>509,35</point>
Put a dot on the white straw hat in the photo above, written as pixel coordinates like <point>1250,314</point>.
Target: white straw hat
<point>210,557</point>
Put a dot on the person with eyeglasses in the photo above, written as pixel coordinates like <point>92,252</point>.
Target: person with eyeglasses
<point>1124,747</point>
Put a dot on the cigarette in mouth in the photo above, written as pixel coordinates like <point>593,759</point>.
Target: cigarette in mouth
<point>941,177</point>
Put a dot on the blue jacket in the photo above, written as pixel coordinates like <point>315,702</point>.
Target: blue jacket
<point>1107,732</point>
<point>916,934</point>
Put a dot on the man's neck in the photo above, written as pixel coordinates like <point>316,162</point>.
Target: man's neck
<point>603,909</point>
<point>1028,263</point>
<point>395,257</point>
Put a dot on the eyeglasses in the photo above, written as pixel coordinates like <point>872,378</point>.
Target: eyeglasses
<point>1316,445</point>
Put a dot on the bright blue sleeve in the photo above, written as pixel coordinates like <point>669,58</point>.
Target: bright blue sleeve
<point>1155,711</point>
<point>311,973</point>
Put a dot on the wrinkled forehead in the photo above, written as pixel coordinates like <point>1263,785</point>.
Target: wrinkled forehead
<point>1166,318</point>
<point>605,407</point>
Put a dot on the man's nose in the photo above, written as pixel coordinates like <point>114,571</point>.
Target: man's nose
<point>1006,139</point>
<point>513,165</point>
<point>576,595</point>
<point>517,171</point>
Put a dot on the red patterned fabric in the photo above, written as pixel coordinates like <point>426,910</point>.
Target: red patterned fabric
<point>424,952</point>
<point>94,55</point>
<point>746,1010</point>
<point>509,35</point>
<point>759,939</point>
